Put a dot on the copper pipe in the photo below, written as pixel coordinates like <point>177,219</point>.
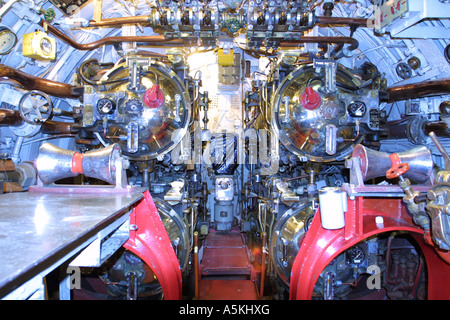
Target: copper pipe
<point>155,40</point>
<point>341,20</point>
<point>294,43</point>
<point>196,269</point>
<point>12,117</point>
<point>440,128</point>
<point>9,117</point>
<point>53,127</point>
<point>417,90</point>
<point>117,22</point>
<point>29,82</point>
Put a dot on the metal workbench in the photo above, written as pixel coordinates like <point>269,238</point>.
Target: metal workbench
<point>40,232</point>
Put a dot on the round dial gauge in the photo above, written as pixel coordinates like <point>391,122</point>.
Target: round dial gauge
<point>355,255</point>
<point>105,106</point>
<point>357,109</point>
<point>8,40</point>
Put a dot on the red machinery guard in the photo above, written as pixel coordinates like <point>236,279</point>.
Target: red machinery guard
<point>319,246</point>
<point>150,242</point>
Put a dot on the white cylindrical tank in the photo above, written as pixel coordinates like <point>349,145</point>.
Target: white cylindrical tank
<point>333,205</point>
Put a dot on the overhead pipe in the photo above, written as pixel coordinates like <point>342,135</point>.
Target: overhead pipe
<point>417,90</point>
<point>145,20</point>
<point>293,43</point>
<point>155,40</point>
<point>162,41</point>
<point>341,20</point>
<point>10,117</point>
<point>117,22</point>
<point>30,82</point>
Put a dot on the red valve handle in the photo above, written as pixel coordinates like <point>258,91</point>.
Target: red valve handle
<point>310,99</point>
<point>154,97</point>
<point>397,170</point>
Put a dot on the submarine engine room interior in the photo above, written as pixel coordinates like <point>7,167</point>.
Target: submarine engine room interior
<point>225,149</point>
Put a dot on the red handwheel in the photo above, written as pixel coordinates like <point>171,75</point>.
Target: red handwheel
<point>397,170</point>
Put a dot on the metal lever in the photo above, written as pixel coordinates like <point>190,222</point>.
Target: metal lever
<point>441,149</point>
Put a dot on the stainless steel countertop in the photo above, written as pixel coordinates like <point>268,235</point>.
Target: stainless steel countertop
<point>39,229</point>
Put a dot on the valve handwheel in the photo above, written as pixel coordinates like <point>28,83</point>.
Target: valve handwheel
<point>397,170</point>
<point>35,107</point>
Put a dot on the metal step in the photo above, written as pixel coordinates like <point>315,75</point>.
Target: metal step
<point>218,289</point>
<point>226,272</point>
<point>225,253</point>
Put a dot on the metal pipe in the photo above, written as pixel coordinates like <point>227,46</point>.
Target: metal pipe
<point>417,90</point>
<point>155,40</point>
<point>15,157</point>
<point>29,82</point>
<point>441,149</point>
<point>117,22</point>
<point>440,128</point>
<point>263,265</point>
<point>9,117</point>
<point>12,117</point>
<point>293,43</point>
<point>58,127</point>
<point>341,20</point>
<point>196,268</point>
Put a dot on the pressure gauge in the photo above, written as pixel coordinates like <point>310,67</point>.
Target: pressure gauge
<point>105,106</point>
<point>355,255</point>
<point>357,109</point>
<point>8,40</point>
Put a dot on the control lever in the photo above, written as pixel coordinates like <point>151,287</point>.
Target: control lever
<point>441,149</point>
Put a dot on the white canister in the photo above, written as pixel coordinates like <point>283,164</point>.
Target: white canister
<point>333,205</point>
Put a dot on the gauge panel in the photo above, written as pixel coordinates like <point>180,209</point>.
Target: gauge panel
<point>106,106</point>
<point>356,255</point>
<point>8,40</point>
<point>357,109</point>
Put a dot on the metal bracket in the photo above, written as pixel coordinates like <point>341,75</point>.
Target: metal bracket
<point>107,242</point>
<point>330,67</point>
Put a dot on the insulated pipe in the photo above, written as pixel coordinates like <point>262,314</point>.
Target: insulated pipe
<point>293,43</point>
<point>29,82</point>
<point>155,40</point>
<point>417,90</point>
